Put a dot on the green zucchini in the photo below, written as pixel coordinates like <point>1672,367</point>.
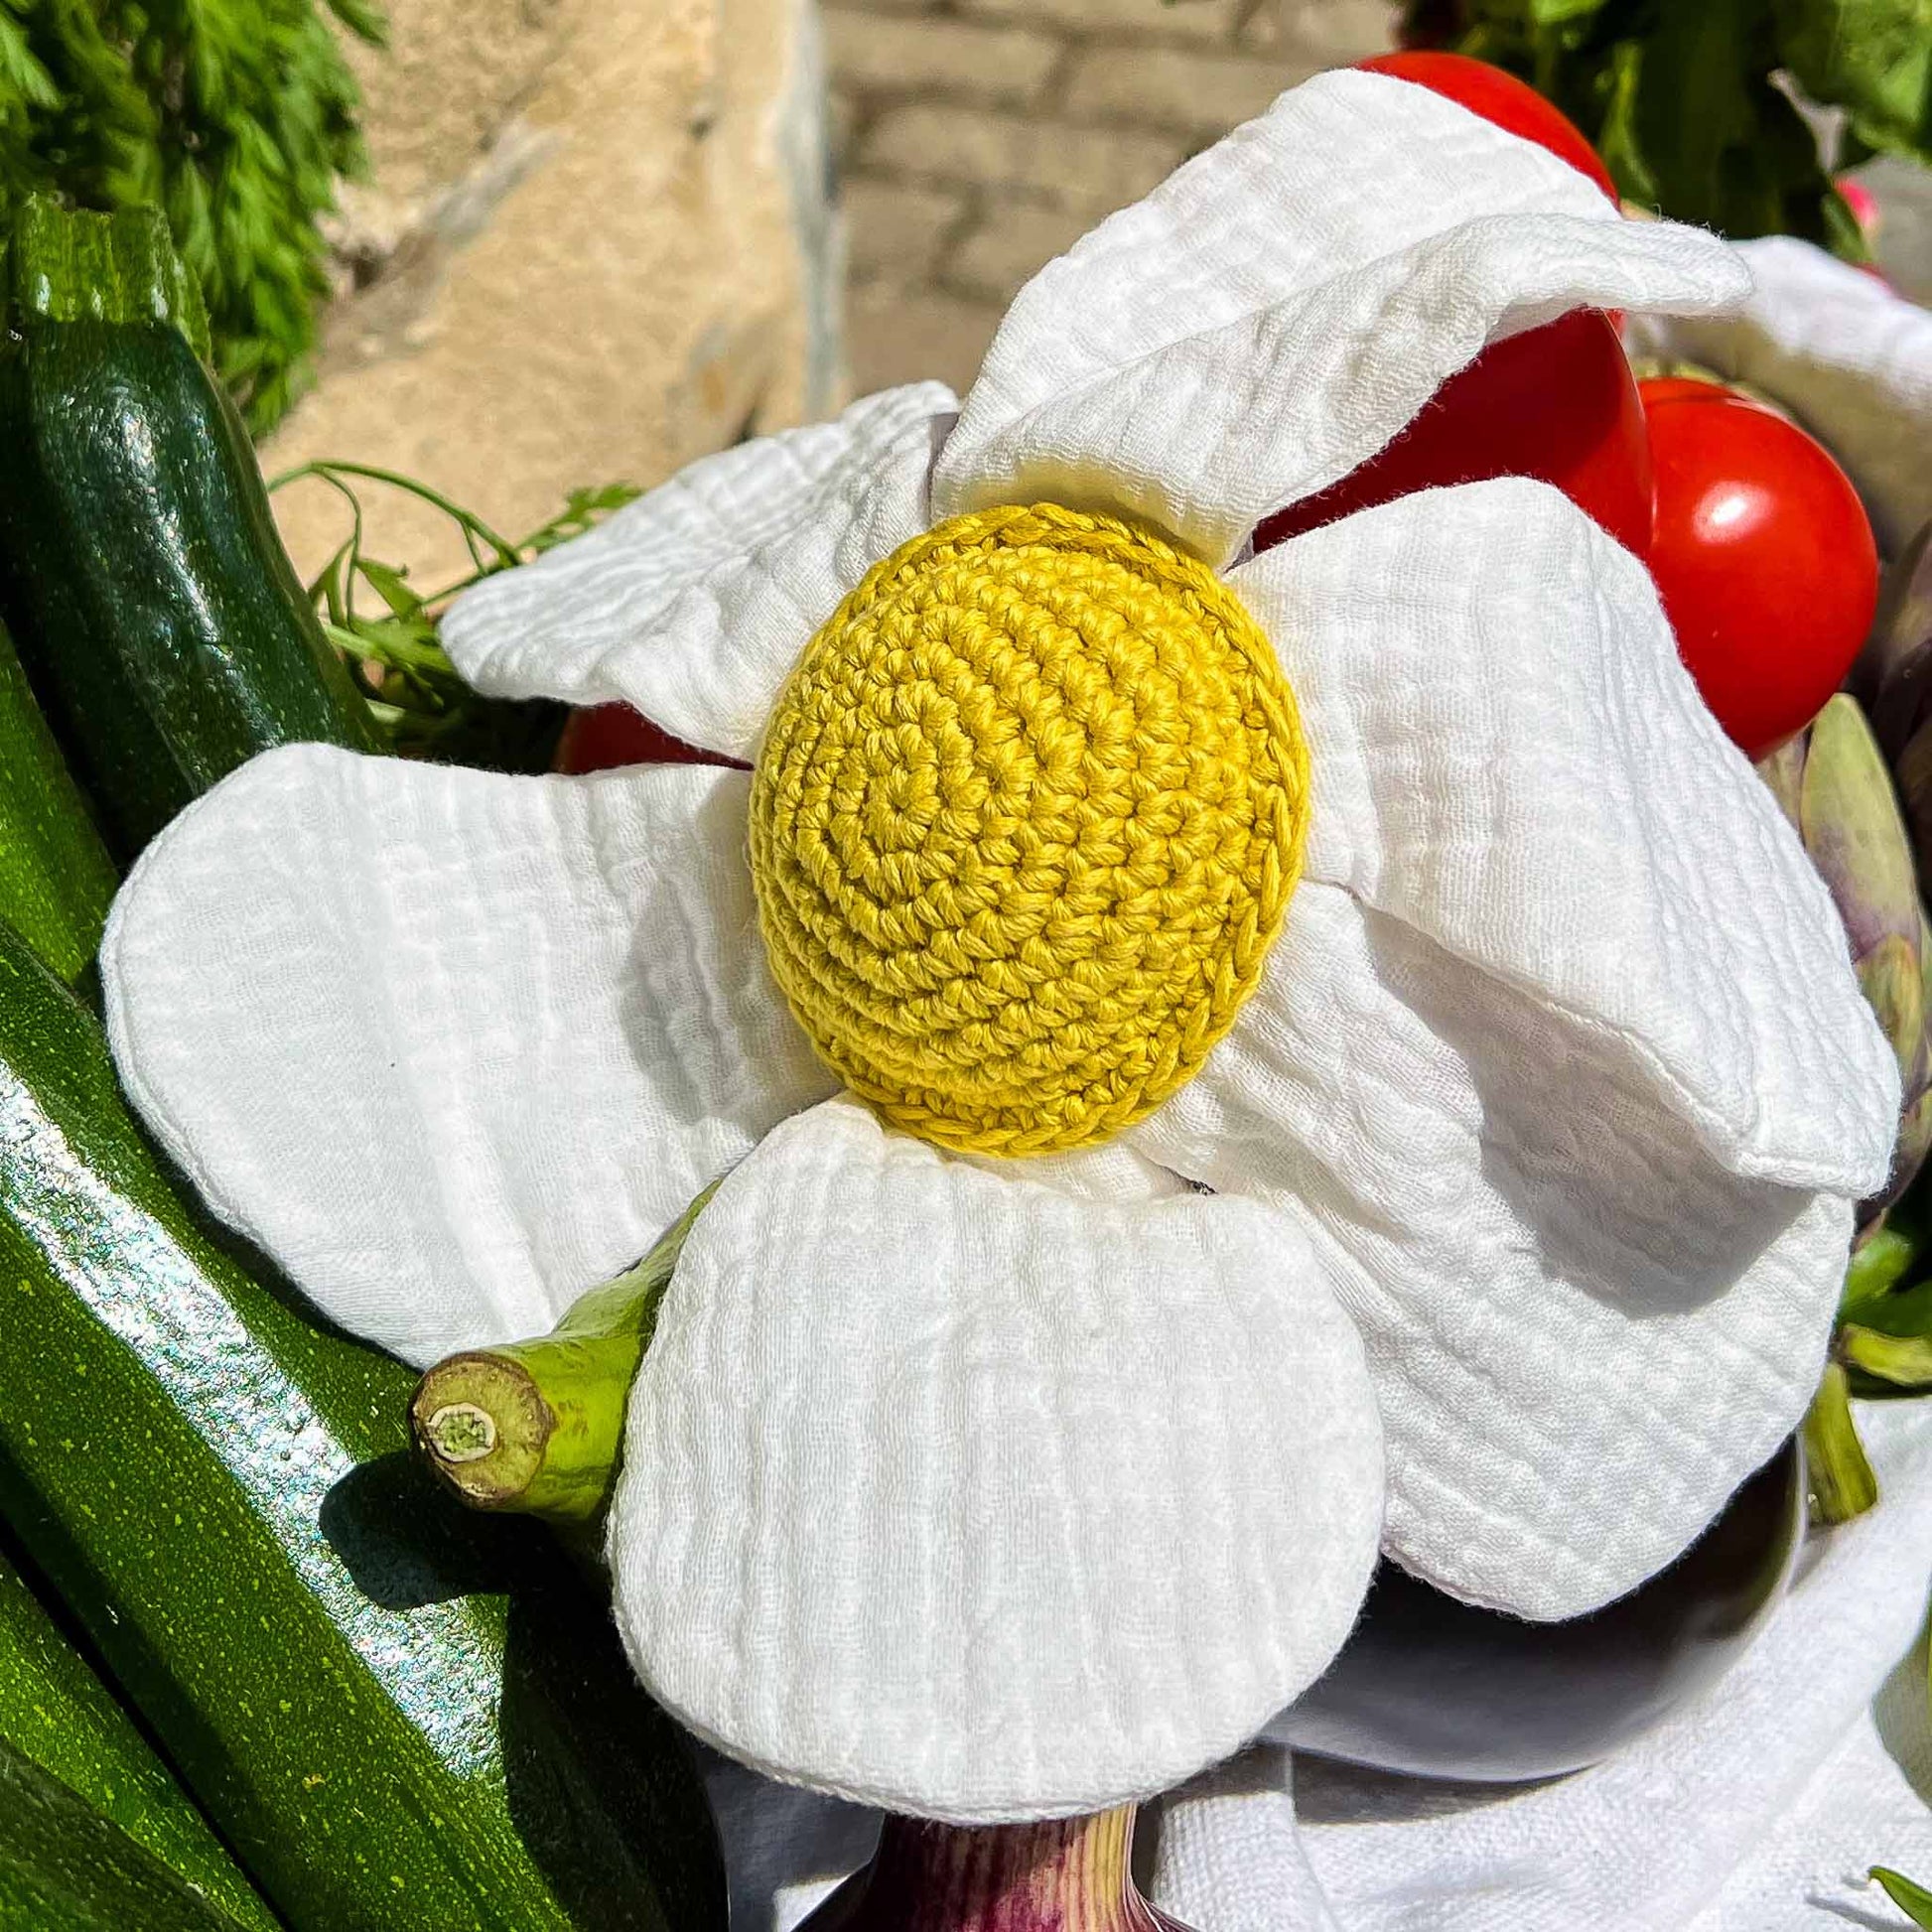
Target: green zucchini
<point>56,878</point>
<point>57,1713</point>
<point>64,1868</point>
<point>396,1714</point>
<point>148,593</point>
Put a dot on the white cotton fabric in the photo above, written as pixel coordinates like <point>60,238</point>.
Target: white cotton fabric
<point>694,601</point>
<point>1509,757</point>
<point>451,1046</point>
<point>1572,1378</point>
<point>1760,1809</point>
<point>964,1497</point>
<point>1845,354</point>
<point>1279,309</point>
<point>1555,1084</point>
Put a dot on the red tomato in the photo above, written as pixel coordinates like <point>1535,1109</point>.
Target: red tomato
<point>1558,403</point>
<point>599,737</point>
<point>1511,104</point>
<point>1689,388</point>
<point>1763,556</point>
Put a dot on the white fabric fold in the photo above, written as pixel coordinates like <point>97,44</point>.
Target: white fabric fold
<point>959,1496</point>
<point>1509,757</point>
<point>693,603</point>
<point>1846,355</point>
<point>1279,309</point>
<point>1758,1810</point>
<point>451,1046</point>
<point>1583,1333</point>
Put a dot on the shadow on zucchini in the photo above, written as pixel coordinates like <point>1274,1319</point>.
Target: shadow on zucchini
<point>407,1543</point>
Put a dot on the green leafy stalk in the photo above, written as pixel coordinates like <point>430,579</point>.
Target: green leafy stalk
<point>538,1427</point>
<point>1842,1483</point>
<point>1877,1266</point>
<point>1905,1361</point>
<point>1911,1899</point>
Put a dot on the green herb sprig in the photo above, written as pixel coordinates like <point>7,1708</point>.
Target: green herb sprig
<point>423,706</point>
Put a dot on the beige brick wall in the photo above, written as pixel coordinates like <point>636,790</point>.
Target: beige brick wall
<point>980,138</point>
<point>597,244</point>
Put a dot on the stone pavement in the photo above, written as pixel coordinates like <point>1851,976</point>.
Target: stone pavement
<point>977,139</point>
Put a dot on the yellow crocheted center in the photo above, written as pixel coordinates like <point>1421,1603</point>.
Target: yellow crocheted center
<point>1025,822</point>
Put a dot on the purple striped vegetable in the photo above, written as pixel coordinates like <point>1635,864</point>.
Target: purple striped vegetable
<point>1067,1874</point>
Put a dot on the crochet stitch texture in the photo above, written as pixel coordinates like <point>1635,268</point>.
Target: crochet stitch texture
<point>1025,822</point>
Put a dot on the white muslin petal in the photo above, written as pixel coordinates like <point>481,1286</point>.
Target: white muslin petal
<point>1509,757</point>
<point>1759,1808</point>
<point>1279,309</point>
<point>1846,355</point>
<point>693,603</point>
<point>1584,1332</point>
<point>946,1492</point>
<point>1113,1170</point>
<point>452,1047</point>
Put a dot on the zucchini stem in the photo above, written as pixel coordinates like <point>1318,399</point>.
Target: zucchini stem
<point>537,1426</point>
<point>460,1432</point>
<point>71,265</point>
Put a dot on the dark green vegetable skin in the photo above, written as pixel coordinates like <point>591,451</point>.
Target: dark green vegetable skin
<point>64,1868</point>
<point>59,1717</point>
<point>56,878</point>
<point>149,596</point>
<point>396,1714</point>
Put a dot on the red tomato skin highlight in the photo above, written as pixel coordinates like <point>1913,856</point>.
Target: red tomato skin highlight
<point>1763,557</point>
<point>603,737</point>
<point>1655,389</point>
<point>1558,403</point>
<point>1499,97</point>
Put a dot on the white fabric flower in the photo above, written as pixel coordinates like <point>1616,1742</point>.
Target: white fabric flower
<point>986,1489</point>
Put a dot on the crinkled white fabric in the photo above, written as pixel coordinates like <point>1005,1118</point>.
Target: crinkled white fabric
<point>452,1047</point>
<point>1584,1332</point>
<point>693,603</point>
<point>1509,757</point>
<point>964,1497</point>
<point>1760,1810</point>
<point>1114,1170</point>
<point>455,1047</point>
<point>1846,355</point>
<point>1279,309</point>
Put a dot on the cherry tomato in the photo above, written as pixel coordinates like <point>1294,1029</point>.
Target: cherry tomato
<point>598,738</point>
<point>1558,402</point>
<point>1654,389</point>
<point>1762,555</point>
<point>1511,104</point>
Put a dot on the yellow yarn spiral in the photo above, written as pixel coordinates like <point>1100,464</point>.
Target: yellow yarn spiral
<point>1025,822</point>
